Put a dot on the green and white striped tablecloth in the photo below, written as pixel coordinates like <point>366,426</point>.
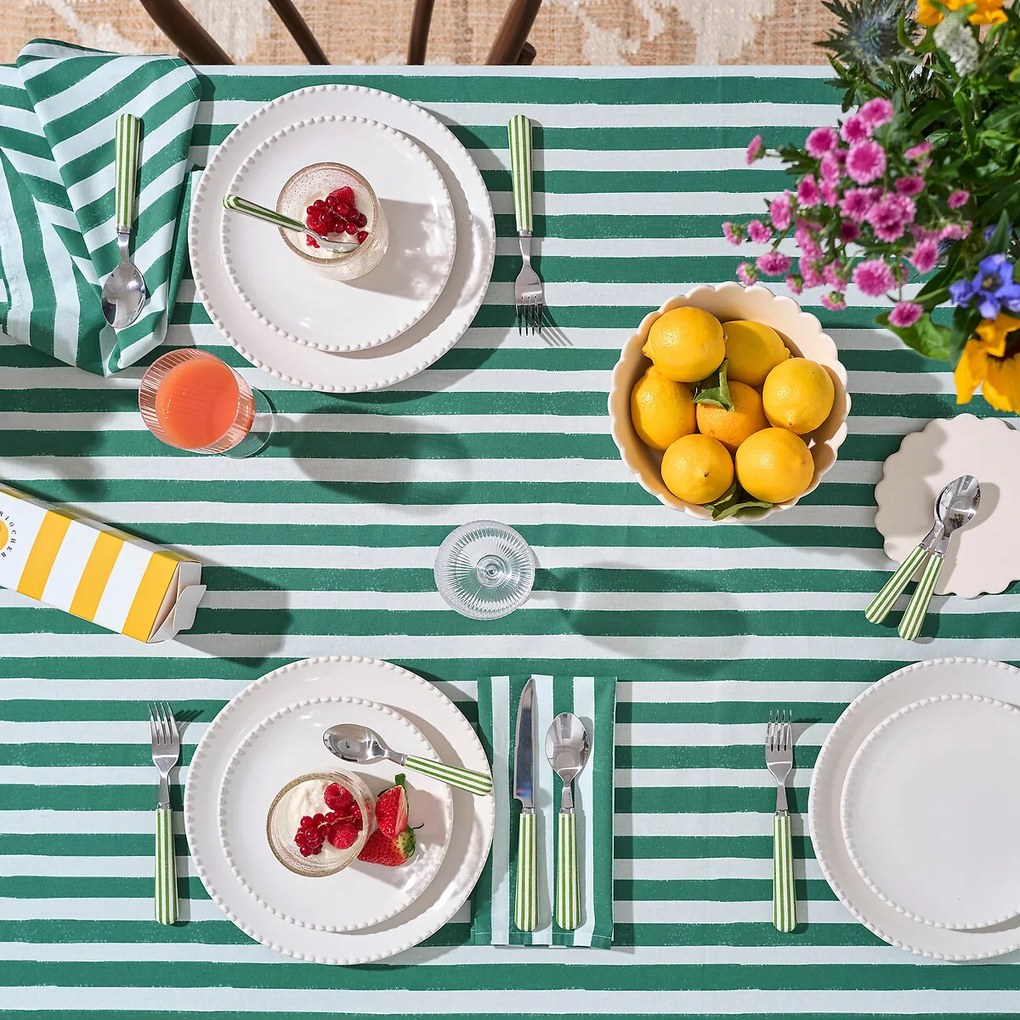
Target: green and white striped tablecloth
<point>325,545</point>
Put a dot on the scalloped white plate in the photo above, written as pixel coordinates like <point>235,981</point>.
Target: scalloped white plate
<point>442,724</point>
<point>429,338</point>
<point>288,743</point>
<point>299,303</point>
<point>894,692</point>
<point>930,814</point>
<point>802,333</point>
<point>984,556</point>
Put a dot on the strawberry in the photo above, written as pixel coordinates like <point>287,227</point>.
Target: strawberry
<point>391,852</point>
<point>391,809</point>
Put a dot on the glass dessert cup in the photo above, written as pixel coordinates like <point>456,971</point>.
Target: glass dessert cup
<point>304,796</point>
<point>191,400</point>
<point>316,182</point>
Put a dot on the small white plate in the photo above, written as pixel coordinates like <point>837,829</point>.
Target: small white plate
<point>930,813</point>
<point>897,690</point>
<point>291,297</point>
<point>288,743</point>
<point>984,556</point>
<point>429,338</point>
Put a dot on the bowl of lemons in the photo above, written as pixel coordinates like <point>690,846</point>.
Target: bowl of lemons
<point>729,403</point>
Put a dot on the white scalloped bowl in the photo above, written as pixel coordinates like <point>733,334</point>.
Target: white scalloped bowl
<point>802,333</point>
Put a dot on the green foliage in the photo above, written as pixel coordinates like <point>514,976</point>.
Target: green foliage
<point>732,501</point>
<point>714,390</point>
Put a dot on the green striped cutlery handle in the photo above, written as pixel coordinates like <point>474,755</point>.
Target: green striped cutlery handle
<point>166,868</point>
<point>519,130</point>
<point>568,896</point>
<point>474,782</point>
<point>892,589</point>
<point>259,212</point>
<point>917,607</point>
<point>526,898</point>
<point>126,139</point>
<point>784,894</point>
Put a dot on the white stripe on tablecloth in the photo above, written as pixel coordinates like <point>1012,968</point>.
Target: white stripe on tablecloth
<point>502,891</point>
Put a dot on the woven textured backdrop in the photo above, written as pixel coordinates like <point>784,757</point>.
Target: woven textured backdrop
<point>360,31</point>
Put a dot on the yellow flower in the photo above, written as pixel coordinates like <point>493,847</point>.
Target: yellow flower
<point>991,360</point>
<point>989,12</point>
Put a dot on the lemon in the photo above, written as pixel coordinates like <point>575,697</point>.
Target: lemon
<point>686,344</point>
<point>697,468</point>
<point>731,428</point>
<point>661,410</point>
<point>798,395</point>
<point>774,465</point>
<point>752,351</point>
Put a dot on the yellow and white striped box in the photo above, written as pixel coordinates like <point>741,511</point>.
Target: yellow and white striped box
<point>94,571</point>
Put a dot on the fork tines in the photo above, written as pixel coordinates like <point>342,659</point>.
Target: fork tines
<point>529,316</point>
<point>162,724</point>
<point>779,732</point>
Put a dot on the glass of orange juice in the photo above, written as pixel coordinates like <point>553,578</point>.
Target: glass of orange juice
<point>191,400</point>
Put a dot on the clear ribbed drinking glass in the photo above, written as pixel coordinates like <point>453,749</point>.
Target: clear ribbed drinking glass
<point>485,570</point>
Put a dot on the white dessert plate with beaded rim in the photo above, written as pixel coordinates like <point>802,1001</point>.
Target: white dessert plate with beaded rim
<point>930,815</point>
<point>293,298</point>
<point>936,677</point>
<point>984,556</point>
<point>287,744</point>
<point>424,705</point>
<point>424,342</point>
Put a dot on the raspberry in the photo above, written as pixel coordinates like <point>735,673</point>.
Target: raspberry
<point>343,835</point>
<point>345,194</point>
<point>362,234</point>
<point>337,797</point>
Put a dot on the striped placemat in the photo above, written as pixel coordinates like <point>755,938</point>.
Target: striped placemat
<point>326,543</point>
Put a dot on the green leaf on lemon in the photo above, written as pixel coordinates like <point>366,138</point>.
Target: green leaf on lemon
<point>714,390</point>
<point>732,501</point>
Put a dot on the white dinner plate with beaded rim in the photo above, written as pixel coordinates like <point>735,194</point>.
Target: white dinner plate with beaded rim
<point>288,743</point>
<point>930,814</point>
<point>912,683</point>
<point>292,297</point>
<point>442,724</point>
<point>429,338</point>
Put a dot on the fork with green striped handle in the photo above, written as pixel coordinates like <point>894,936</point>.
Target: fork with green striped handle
<point>166,749</point>
<point>245,206</point>
<point>779,761</point>
<point>529,294</point>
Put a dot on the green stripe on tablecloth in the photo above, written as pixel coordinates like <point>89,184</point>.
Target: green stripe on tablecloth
<point>328,558</point>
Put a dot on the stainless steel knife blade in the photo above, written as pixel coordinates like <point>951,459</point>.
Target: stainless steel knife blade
<point>524,752</point>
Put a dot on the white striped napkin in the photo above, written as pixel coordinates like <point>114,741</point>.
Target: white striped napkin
<point>593,699</point>
<point>58,107</point>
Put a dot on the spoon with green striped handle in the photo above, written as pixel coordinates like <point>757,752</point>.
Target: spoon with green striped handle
<point>567,747</point>
<point>359,744</point>
<point>957,504</point>
<point>235,203</point>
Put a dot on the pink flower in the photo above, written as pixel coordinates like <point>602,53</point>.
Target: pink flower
<point>873,277</point>
<point>834,301</point>
<point>865,161</point>
<point>917,151</point>
<point>955,231</point>
<point>905,313</point>
<point>795,283</point>
<point>747,274</point>
<point>925,255</point>
<point>804,233</point>
<point>834,274</point>
<point>755,150</point>
<point>910,185</point>
<point>773,263</point>
<point>856,203</point>
<point>733,233</point>
<point>820,141</point>
<point>855,129</point>
<point>828,193</point>
<point>876,112</point>
<point>891,215</point>
<point>957,198</point>
<point>830,168</point>
<point>758,232</point>
<point>809,274</point>
<point>849,231</point>
<point>781,211</point>
<point>807,191</point>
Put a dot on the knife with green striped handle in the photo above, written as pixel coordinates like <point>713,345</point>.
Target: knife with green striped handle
<point>526,892</point>
<point>784,894</point>
<point>893,588</point>
<point>519,130</point>
<point>235,203</point>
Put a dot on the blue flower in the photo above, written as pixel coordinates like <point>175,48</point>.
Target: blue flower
<point>992,289</point>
